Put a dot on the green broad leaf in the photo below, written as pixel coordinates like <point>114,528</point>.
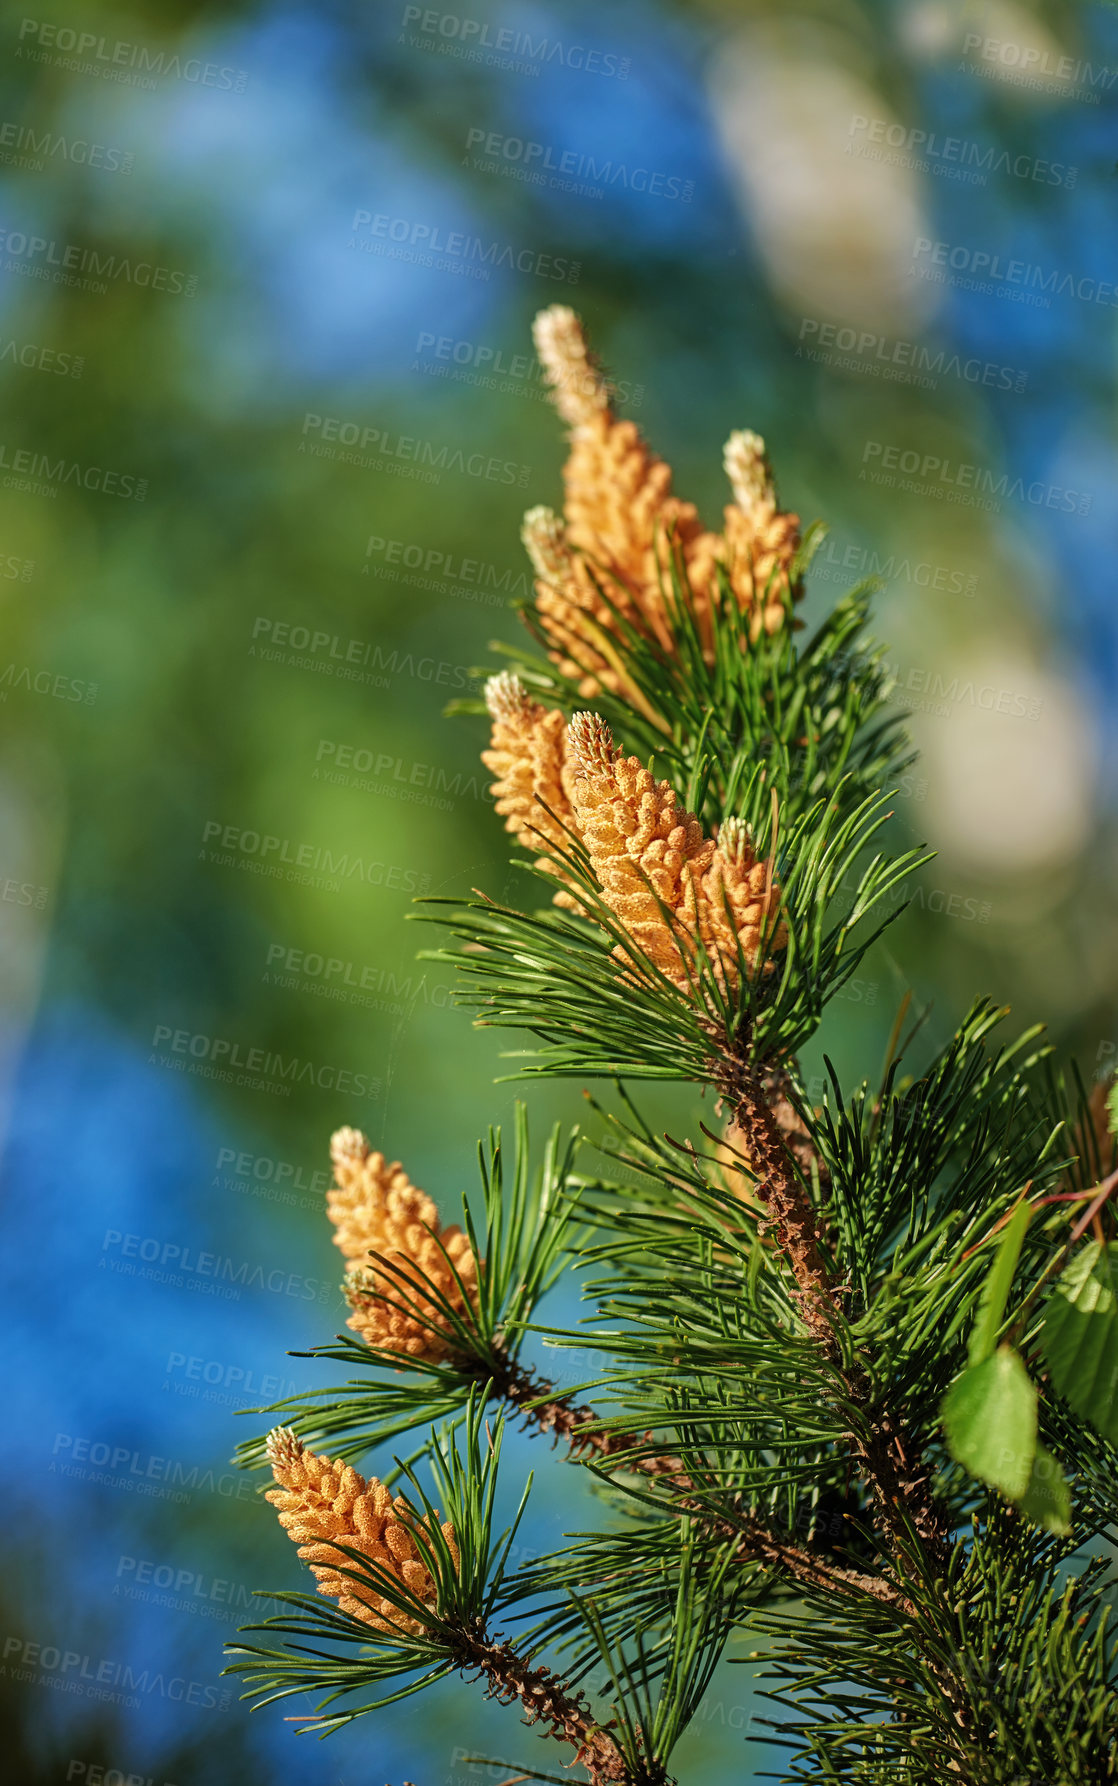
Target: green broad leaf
<point>991,1310</point>
<point>989,1415</point>
<point>1080,1336</point>
<point>1112,1109</point>
<point>1047,1501</point>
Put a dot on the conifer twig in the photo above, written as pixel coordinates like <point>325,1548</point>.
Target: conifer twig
<point>789,1209</point>
<point>776,1084</point>
<point>892,1464</point>
<point>578,1425</point>
<point>892,1467</point>
<point>547,1700</point>
<point>767,1357</point>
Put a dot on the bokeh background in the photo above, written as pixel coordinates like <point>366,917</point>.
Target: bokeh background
<point>235,241</point>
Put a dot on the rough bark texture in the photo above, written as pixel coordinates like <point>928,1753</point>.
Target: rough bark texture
<point>510,1677</point>
<point>780,1153</point>
<point>776,1083</point>
<point>779,1549</point>
<point>781,1191</point>
<point>911,1524</point>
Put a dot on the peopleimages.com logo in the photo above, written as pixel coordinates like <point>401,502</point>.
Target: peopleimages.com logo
<point>228,1055</point>
<point>260,1175</point>
<point>112,59</point>
<point>954,480</point>
<point>68,263</point>
<point>382,449</point>
<point>331,649</point>
<point>242,846</point>
<point>491,368</point>
<point>503,47</point>
<point>95,1773</point>
<point>1025,282</point>
<point>33,356</point>
<point>1026,65</point>
<point>906,362</point>
<point>453,251</point>
<point>50,1665</point>
<point>42,475</point>
<point>421,784</point>
<point>835,563</point>
<point>225,1378</point>
<point>444,573</point>
<point>953,157</point>
<point>568,170</point>
<point>131,1472</point>
<point>54,683</point>
<point>177,1262</point>
<point>25,146</point>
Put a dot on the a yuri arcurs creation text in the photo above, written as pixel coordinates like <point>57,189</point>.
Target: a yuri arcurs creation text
<point>853,1408</point>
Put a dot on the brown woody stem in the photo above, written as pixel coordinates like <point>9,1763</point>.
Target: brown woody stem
<point>546,1700</point>
<point>892,1467</point>
<point>781,1156</point>
<point>776,1082</point>
<point>579,1426</point>
<point>780,1189</point>
<point>890,1459</point>
<point>535,1398</point>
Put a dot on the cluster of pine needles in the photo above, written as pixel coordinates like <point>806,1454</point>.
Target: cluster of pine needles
<point>854,1413</point>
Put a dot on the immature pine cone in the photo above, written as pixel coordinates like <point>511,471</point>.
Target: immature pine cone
<point>621,523</point>
<point>320,1499</point>
<point>528,754</point>
<point>643,845</point>
<point>376,1209</point>
<point>737,902</point>
<point>760,540</point>
<point>623,529</point>
<point>648,851</point>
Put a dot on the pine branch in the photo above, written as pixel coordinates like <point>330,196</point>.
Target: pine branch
<point>535,1398</point>
<point>416,1592</point>
<point>762,1543</point>
<point>891,1459</point>
<point>892,1462</point>
<point>545,1698</point>
<point>757,1542</point>
<point>780,1189</point>
<point>776,1083</point>
<point>775,1354</point>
